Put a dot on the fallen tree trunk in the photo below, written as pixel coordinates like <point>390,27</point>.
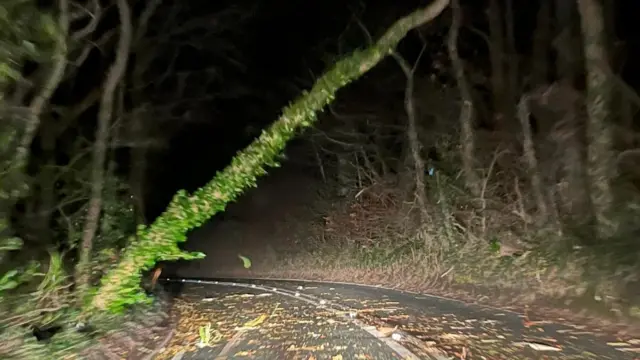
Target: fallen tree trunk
<point>121,285</point>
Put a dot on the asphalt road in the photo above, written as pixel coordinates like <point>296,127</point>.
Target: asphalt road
<point>280,320</point>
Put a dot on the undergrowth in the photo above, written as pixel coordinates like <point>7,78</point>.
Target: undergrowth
<point>376,238</point>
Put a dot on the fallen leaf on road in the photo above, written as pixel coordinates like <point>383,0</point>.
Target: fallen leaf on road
<point>255,322</point>
<point>246,262</point>
<point>452,338</point>
<point>387,331</point>
<point>618,344</point>
<point>538,346</point>
<point>244,353</point>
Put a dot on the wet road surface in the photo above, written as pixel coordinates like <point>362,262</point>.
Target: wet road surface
<point>266,319</point>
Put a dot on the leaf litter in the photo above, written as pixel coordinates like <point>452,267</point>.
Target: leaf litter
<point>481,338</point>
<point>298,332</point>
<point>247,324</point>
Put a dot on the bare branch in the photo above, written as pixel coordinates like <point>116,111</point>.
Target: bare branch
<point>114,77</point>
<point>42,98</point>
<point>92,25</point>
<point>412,134</point>
<point>146,15</point>
<point>91,45</point>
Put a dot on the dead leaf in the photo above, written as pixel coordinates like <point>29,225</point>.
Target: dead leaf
<point>618,344</point>
<point>538,346</point>
<point>387,331</point>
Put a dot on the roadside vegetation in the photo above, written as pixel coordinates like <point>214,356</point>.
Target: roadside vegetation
<point>514,182</point>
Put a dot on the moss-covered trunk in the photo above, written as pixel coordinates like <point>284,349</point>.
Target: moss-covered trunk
<point>160,240</point>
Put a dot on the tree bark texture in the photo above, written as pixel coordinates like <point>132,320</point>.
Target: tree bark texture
<point>600,155</point>
<point>531,158</point>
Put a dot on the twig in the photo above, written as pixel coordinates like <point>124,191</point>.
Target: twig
<point>92,25</point>
<point>447,272</point>
<point>146,15</point>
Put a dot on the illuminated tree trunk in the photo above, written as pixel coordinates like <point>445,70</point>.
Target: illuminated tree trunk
<point>599,133</point>
<point>572,137</point>
<point>530,157</point>
<point>467,111</point>
<point>160,240</point>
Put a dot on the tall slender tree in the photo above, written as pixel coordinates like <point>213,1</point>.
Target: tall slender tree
<point>601,166</point>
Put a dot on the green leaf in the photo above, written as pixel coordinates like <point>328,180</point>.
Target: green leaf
<point>7,72</point>
<point>11,284</point>
<point>49,25</point>
<point>9,274</point>
<point>246,262</point>
<point>10,244</point>
<point>7,282</point>
<point>494,245</point>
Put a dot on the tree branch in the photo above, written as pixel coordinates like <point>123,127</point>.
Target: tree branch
<point>42,98</point>
<point>114,76</point>
<point>412,134</point>
<point>92,25</point>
